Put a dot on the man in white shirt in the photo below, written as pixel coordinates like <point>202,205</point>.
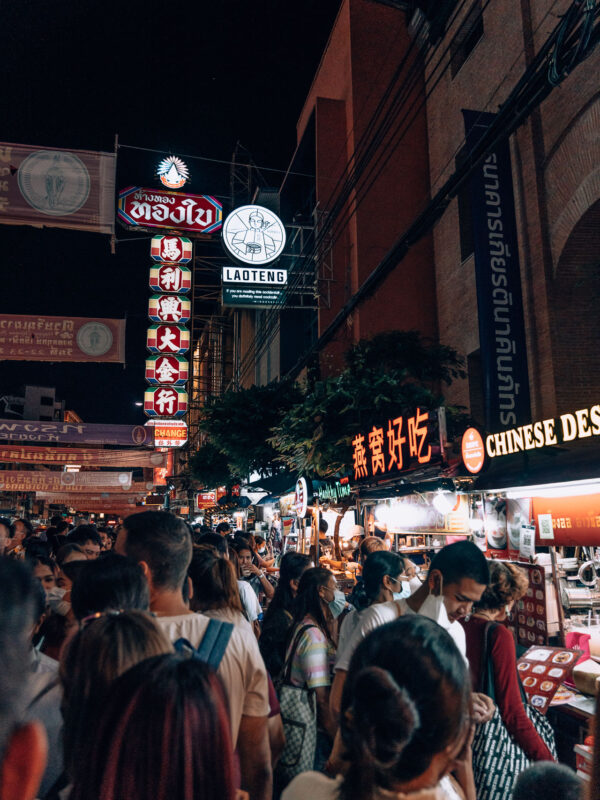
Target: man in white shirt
<point>161,543</point>
<point>457,578</point>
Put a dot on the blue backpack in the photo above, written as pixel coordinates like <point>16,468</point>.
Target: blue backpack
<point>213,645</point>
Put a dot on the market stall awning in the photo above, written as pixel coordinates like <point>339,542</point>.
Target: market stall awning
<point>275,484</point>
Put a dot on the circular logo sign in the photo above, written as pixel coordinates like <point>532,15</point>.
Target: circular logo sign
<point>253,235</point>
<point>301,501</point>
<point>94,338</point>
<point>54,183</point>
<point>473,450</point>
<point>173,172</point>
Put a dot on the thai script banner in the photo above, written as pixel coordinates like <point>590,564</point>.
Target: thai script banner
<point>152,208</point>
<point>74,433</point>
<point>66,498</point>
<point>34,481</point>
<point>498,277</point>
<point>53,188</point>
<point>137,490</point>
<point>84,457</point>
<point>33,338</point>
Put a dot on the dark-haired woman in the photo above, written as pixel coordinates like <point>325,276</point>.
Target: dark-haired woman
<point>278,616</point>
<point>215,588</point>
<point>405,721</point>
<point>311,649</point>
<point>164,734</point>
<point>508,583</point>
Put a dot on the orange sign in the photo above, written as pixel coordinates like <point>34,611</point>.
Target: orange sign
<point>473,450</point>
<point>575,520</point>
<point>384,451</point>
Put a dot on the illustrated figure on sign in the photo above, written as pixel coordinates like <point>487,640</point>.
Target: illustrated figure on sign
<point>170,307</point>
<point>165,371</point>
<point>254,241</point>
<point>55,183</point>
<point>166,401</point>
<point>169,279</point>
<point>167,339</point>
<point>171,251</point>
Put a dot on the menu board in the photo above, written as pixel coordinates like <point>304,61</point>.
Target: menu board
<point>542,670</point>
<point>529,617</point>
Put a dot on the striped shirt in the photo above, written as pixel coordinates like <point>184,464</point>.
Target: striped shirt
<point>314,657</point>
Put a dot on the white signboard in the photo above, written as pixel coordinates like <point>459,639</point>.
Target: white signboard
<point>254,235</point>
<point>277,277</point>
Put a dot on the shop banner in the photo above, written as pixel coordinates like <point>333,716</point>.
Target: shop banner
<point>574,521</point>
<point>83,457</point>
<point>145,209</point>
<point>123,499</point>
<point>51,188</point>
<point>498,279</point>
<point>34,481</point>
<point>136,491</point>
<point>74,433</point>
<point>32,338</point>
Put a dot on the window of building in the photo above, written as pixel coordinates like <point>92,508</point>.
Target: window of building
<point>45,418</point>
<point>46,401</point>
<point>466,39</point>
<point>465,216</point>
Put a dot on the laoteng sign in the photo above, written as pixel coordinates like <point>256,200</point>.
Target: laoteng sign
<point>149,208</point>
<point>277,277</point>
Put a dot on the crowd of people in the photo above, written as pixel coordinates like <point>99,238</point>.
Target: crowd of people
<point>160,662</point>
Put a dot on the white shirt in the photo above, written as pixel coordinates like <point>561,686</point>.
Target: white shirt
<point>242,669</point>
<point>316,786</point>
<point>379,614</point>
<point>349,625</point>
<point>249,600</point>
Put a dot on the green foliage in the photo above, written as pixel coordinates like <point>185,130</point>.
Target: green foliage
<point>392,372</point>
<point>210,468</point>
<point>239,424</point>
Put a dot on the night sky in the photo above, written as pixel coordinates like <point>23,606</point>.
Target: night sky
<point>190,78</point>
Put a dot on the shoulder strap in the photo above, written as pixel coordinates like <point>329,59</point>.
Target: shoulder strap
<point>288,665</point>
<point>214,642</point>
<point>213,645</point>
<point>486,672</point>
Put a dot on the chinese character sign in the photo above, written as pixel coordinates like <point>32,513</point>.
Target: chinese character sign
<point>165,401</point>
<point>170,339</point>
<point>170,278</point>
<point>401,443</point>
<point>171,249</point>
<point>167,369</point>
<point>169,308</point>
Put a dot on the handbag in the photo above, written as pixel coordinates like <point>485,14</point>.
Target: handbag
<point>299,716</point>
<point>497,758</point>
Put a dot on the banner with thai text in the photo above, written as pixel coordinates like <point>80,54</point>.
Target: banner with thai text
<point>38,481</point>
<point>74,433</point>
<point>55,188</point>
<point>33,338</point>
<point>498,279</point>
<point>84,457</point>
<point>67,499</point>
<point>137,491</point>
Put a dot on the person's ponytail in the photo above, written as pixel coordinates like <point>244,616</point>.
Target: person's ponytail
<point>378,726</point>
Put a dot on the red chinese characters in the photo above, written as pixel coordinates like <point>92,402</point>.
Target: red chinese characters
<point>399,444</point>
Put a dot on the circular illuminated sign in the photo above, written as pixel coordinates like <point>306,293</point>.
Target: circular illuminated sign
<point>301,501</point>
<point>253,235</point>
<point>473,450</point>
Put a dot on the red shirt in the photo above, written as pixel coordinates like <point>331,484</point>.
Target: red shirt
<point>506,684</point>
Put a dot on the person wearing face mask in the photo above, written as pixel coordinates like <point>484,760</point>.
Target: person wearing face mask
<point>311,647</point>
<point>457,578</point>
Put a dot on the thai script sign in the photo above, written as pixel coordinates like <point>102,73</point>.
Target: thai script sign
<point>149,208</point>
<point>74,433</point>
<point>400,443</point>
<point>54,188</point>
<point>24,481</point>
<point>574,521</point>
<point>33,338</point>
<point>90,458</point>
<point>499,301</point>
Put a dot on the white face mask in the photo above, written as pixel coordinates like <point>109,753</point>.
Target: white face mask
<point>55,601</point>
<point>435,609</point>
<point>414,584</point>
